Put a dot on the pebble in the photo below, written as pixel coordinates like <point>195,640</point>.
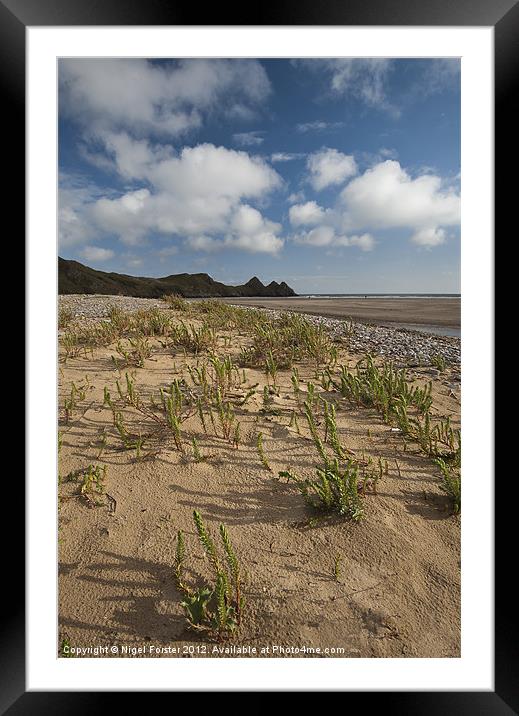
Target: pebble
<point>96,306</point>
<point>401,345</point>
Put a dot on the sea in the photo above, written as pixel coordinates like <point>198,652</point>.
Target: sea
<point>379,295</point>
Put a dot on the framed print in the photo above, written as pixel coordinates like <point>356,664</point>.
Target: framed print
<point>257,244</point>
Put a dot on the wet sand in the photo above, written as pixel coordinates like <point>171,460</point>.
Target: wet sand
<point>419,311</point>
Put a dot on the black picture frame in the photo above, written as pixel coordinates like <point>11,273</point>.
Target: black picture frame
<point>503,15</point>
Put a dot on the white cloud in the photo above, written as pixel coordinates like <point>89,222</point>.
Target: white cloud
<point>252,232</point>
<point>145,96</point>
<point>199,193</point>
<point>96,254</point>
<point>318,125</point>
<point>265,242</point>
<point>368,80</point>
<point>362,78</point>
<point>202,196</point>
<point>439,74</point>
<point>306,214</point>
<point>429,236</point>
<point>125,216</point>
<point>365,79</point>
<point>320,236</point>
<point>73,229</point>
<point>247,220</point>
<point>296,197</point>
<point>328,167</point>
<point>208,171</point>
<point>369,159</point>
<point>248,231</point>
<point>388,153</point>
<point>286,156</point>
<point>240,112</point>
<point>130,158</point>
<point>203,243</point>
<point>326,236</point>
<point>366,242</point>
<point>249,139</point>
<point>75,199</point>
<point>203,170</point>
<point>167,251</point>
<point>386,197</point>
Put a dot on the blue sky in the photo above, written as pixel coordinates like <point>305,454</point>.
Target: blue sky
<point>335,175</point>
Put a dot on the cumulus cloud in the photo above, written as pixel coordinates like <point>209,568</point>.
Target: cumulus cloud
<point>320,236</point>
<point>429,236</point>
<point>384,197</point>
<point>123,154</point>
<point>252,232</point>
<point>328,167</point>
<point>296,197</point>
<point>96,254</point>
<point>126,216</point>
<point>209,171</point>
<point>387,197</point>
<point>202,170</point>
<point>142,96</point>
<point>263,242</point>
<point>206,197</point>
<point>306,214</point>
<point>326,236</point>
<point>248,231</point>
<point>198,194</point>
<point>202,196</point>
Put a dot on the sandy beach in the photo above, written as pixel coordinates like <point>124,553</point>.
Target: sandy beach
<point>420,311</point>
<point>256,458</point>
<point>387,585</point>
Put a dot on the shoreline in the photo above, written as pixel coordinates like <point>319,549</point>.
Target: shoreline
<point>437,312</point>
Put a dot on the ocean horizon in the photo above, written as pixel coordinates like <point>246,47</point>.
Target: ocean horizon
<point>378,295</point>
